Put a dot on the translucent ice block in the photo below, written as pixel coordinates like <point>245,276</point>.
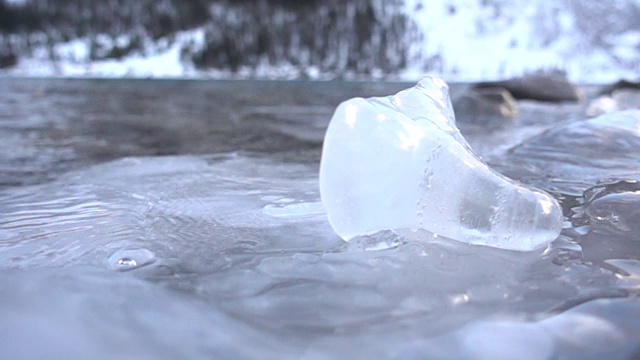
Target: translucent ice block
<point>400,163</point>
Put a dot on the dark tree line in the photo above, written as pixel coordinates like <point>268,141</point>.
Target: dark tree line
<point>76,18</point>
<point>331,35</point>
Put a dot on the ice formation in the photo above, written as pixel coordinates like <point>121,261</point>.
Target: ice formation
<point>400,163</point>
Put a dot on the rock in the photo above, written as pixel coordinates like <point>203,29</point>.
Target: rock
<point>8,60</point>
<point>550,88</point>
<point>620,85</point>
<point>483,104</point>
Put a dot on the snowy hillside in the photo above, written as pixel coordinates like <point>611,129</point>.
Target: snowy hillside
<point>462,40</point>
<point>475,40</point>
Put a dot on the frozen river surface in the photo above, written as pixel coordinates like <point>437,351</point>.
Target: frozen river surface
<point>182,220</point>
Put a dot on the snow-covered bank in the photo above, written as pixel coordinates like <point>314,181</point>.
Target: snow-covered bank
<point>460,40</point>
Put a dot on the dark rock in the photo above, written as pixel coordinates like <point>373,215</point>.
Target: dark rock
<point>485,103</point>
<point>551,88</point>
<point>8,60</point>
<point>620,85</point>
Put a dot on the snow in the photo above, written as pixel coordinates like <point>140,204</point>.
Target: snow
<point>162,59</point>
<point>522,37</point>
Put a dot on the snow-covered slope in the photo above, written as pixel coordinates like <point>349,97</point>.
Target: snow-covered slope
<point>476,40</point>
<point>461,40</point>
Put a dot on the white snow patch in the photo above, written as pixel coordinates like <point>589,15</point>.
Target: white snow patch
<point>161,59</point>
<point>468,41</point>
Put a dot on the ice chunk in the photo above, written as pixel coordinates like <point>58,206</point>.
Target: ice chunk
<point>400,163</point>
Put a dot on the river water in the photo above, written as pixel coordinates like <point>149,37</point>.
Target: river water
<point>182,219</point>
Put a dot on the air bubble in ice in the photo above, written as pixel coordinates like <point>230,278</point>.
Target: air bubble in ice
<point>127,259</point>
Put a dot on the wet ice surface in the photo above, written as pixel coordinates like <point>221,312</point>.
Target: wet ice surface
<point>570,157</point>
<point>108,249</point>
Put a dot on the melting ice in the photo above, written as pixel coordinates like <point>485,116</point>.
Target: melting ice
<point>400,163</point>
<point>231,256</point>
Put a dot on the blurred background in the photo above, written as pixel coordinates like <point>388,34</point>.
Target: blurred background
<point>461,40</point>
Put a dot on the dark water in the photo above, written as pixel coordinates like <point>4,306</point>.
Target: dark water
<point>181,219</point>
<point>51,126</point>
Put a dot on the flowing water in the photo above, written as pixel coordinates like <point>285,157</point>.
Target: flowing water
<point>182,219</point>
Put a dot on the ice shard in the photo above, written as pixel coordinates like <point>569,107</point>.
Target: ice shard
<point>400,163</point>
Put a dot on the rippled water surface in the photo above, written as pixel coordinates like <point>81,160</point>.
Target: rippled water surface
<point>182,219</point>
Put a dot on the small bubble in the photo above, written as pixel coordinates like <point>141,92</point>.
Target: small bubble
<point>128,259</point>
<point>127,262</point>
<point>460,299</point>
